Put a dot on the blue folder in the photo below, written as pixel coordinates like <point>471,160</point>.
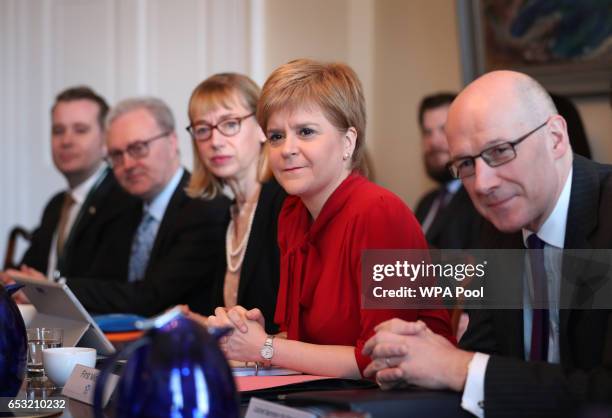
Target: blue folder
<point>117,322</point>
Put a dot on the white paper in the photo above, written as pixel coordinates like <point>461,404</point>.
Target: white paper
<point>82,382</point>
<point>258,408</point>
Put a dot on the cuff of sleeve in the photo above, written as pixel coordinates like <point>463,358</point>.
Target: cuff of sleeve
<point>473,393</point>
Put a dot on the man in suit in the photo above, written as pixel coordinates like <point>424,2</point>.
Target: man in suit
<point>446,214</point>
<point>75,220</point>
<point>511,150</point>
<point>171,243</point>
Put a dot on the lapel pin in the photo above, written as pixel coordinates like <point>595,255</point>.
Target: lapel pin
<point>92,210</point>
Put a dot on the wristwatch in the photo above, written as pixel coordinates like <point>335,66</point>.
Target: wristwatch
<point>267,351</point>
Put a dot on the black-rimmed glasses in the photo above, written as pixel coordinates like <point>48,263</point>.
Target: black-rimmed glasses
<point>137,150</point>
<point>229,127</point>
<point>494,156</point>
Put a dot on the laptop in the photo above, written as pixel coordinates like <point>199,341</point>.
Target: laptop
<point>57,307</point>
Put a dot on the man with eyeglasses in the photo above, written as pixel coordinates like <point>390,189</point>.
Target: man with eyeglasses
<point>446,214</point>
<point>172,243</point>
<point>511,150</point>
<point>76,220</point>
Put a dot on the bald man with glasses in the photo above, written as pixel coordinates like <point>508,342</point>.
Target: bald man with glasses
<point>172,243</point>
<point>511,151</point>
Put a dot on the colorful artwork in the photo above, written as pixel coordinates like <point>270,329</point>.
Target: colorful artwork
<point>547,31</point>
<point>566,44</point>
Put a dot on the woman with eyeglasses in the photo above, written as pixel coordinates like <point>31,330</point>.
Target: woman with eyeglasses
<point>313,115</point>
<point>228,147</point>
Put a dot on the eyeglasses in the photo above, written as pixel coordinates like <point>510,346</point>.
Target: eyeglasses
<point>137,150</point>
<point>228,127</point>
<point>494,156</point>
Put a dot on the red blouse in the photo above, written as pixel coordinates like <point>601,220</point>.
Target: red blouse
<point>319,298</point>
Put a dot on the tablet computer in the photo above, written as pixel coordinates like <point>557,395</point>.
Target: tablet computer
<point>57,307</point>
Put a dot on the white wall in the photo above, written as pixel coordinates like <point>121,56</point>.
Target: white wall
<point>121,49</point>
<point>337,30</point>
<point>417,54</point>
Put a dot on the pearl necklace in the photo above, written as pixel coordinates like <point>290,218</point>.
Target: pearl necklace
<point>240,250</point>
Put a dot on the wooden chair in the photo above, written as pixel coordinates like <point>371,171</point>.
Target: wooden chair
<point>16,233</point>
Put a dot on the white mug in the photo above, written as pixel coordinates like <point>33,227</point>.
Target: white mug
<point>59,362</point>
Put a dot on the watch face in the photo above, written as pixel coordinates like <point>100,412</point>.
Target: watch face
<point>267,352</point>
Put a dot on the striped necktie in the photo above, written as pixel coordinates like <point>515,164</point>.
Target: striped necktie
<point>142,246</point>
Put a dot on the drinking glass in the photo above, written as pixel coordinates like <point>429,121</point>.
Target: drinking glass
<point>38,340</point>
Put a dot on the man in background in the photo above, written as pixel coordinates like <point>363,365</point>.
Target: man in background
<point>446,214</point>
<point>77,219</point>
<point>171,243</point>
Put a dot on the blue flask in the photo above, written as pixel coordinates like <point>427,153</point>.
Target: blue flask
<point>13,343</point>
<point>175,370</point>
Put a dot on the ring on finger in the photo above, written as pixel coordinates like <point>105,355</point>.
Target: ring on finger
<point>387,362</point>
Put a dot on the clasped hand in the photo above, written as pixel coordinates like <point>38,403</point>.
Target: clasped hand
<point>248,336</point>
<point>410,353</point>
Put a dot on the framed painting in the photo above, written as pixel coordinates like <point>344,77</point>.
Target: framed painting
<point>564,44</point>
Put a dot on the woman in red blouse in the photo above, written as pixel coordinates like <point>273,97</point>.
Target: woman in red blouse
<point>313,115</point>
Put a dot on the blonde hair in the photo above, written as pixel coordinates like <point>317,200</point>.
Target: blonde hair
<point>334,87</point>
<point>220,90</point>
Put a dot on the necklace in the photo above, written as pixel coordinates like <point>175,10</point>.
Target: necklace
<point>240,250</point>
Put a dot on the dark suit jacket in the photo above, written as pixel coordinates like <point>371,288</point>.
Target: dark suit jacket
<point>182,265</point>
<point>259,276</point>
<point>456,226</point>
<point>515,387</point>
<point>103,207</point>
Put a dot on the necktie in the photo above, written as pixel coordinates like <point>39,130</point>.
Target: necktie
<point>62,226</point>
<point>437,206</point>
<point>141,247</point>
<point>539,329</point>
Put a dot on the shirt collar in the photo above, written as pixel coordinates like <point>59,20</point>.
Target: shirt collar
<point>80,192</point>
<point>157,207</point>
<point>552,231</point>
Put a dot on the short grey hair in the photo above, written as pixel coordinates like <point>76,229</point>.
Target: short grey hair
<point>157,108</point>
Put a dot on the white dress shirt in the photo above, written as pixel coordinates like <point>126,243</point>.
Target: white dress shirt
<point>552,232</point>
<point>79,194</point>
<point>157,206</point>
